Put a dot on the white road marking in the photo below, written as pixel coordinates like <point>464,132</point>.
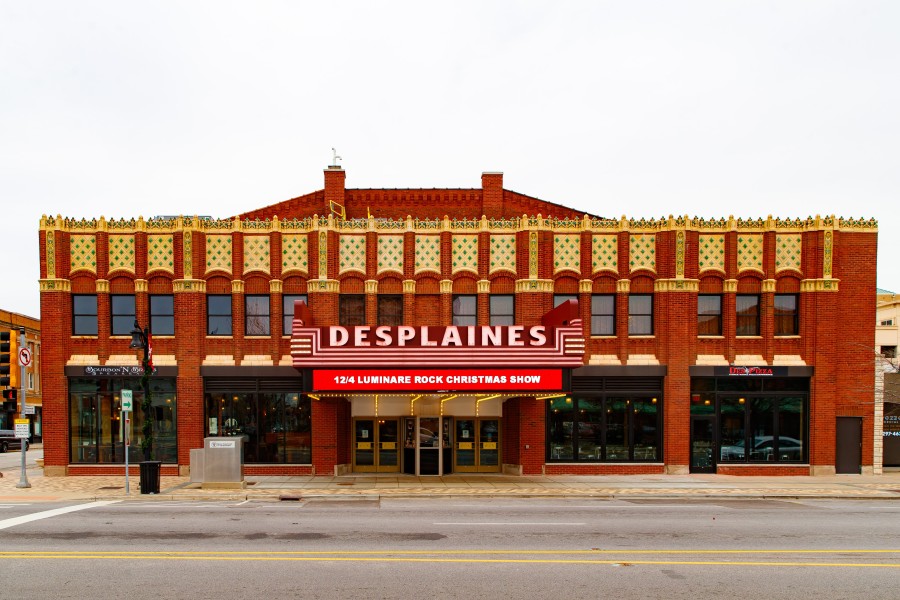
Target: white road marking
<point>509,523</point>
<point>7,523</point>
<point>14,505</point>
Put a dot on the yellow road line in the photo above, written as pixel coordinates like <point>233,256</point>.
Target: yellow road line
<point>461,560</point>
<point>151,553</point>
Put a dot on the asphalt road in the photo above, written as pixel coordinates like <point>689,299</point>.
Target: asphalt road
<point>452,548</point>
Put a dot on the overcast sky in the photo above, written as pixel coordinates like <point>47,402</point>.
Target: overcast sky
<point>120,109</point>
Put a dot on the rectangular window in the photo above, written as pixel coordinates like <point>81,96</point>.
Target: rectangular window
<point>787,315</point>
<point>640,314</point>
<point>256,315</point>
<point>96,428</point>
<point>747,308</point>
<point>121,314</point>
<point>287,312</point>
<point>218,314</point>
<point>503,309</point>
<point>603,314</point>
<point>560,298</point>
<point>889,351</point>
<point>610,428</point>
<point>352,310</point>
<point>31,381</point>
<point>887,323</point>
<point>465,309</point>
<point>390,309</point>
<point>709,315</point>
<point>84,314</point>
<point>162,314</point>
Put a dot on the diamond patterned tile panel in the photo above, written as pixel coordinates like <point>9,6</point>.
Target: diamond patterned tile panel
<point>750,252</point>
<point>428,253</point>
<point>712,252</point>
<point>294,253</point>
<point>605,253</point>
<point>83,253</point>
<point>642,249</point>
<point>160,253</point>
<point>390,253</point>
<point>465,253</point>
<point>218,253</point>
<point>256,253</point>
<point>503,252</point>
<point>121,253</point>
<point>788,251</point>
<point>352,253</point>
<point>566,252</point>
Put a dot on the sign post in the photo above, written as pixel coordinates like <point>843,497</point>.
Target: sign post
<point>127,405</point>
<point>23,425</point>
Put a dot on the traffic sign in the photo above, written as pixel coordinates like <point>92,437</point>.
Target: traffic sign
<point>24,357</point>
<point>29,409</point>
<point>127,401</point>
<point>22,429</point>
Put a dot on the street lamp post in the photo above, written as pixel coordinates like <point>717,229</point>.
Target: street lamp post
<point>150,469</point>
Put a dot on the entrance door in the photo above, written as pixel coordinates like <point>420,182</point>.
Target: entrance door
<point>703,444</point>
<point>375,447</point>
<point>477,448</point>
<point>848,451</point>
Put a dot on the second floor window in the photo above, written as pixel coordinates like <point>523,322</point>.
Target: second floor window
<point>352,309</point>
<point>503,309</point>
<point>640,314</point>
<point>84,314</point>
<point>287,312</point>
<point>787,315</point>
<point>121,309</point>
<point>747,308</point>
<point>465,309</point>
<point>162,314</point>
<point>560,298</point>
<point>256,315</point>
<point>218,314</point>
<point>603,314</point>
<point>709,315</point>
<point>390,309</point>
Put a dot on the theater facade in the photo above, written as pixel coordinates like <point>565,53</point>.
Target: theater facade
<point>440,331</point>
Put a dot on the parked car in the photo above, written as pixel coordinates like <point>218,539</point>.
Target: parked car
<point>9,441</point>
<point>763,449</point>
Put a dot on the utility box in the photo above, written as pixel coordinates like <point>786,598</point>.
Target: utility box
<point>223,462</point>
<point>197,456</point>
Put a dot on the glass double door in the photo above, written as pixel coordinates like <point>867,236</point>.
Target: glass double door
<point>375,445</point>
<point>477,447</point>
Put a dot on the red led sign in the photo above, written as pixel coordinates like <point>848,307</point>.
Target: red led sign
<point>416,380</point>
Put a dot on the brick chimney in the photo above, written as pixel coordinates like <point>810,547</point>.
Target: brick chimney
<point>334,187</point>
<point>492,194</point>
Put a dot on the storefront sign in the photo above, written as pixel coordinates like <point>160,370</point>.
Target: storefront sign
<point>373,380</point>
<point>222,444</point>
<point>558,341</point>
<point>751,371</point>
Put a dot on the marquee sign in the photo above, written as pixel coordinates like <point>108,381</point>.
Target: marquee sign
<point>426,380</point>
<point>557,342</point>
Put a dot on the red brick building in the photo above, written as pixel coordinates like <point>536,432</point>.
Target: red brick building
<point>435,331</point>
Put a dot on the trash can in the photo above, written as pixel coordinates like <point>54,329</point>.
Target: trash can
<point>150,472</point>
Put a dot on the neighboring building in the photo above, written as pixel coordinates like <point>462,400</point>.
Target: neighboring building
<point>887,334</point>
<point>13,322</point>
<point>887,318</point>
<point>453,330</point>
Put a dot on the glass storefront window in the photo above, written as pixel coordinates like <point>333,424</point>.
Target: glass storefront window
<point>561,422</point>
<point>276,426</point>
<point>732,445</point>
<point>97,425</point>
<point>596,429</point>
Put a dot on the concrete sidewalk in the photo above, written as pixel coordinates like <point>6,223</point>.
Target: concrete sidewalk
<point>272,488</point>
